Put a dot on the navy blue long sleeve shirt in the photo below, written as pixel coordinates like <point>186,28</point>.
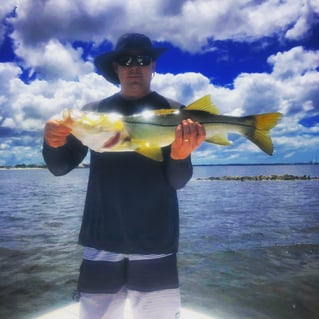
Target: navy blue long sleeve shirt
<point>131,203</point>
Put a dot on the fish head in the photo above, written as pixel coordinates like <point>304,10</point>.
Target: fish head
<point>98,131</point>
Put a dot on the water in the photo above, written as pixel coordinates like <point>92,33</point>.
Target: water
<point>247,249</point>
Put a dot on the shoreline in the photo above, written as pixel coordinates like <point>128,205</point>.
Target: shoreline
<point>285,177</point>
<point>87,165</point>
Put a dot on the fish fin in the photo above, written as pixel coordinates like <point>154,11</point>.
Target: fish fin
<point>67,120</point>
<point>150,151</point>
<point>260,136</point>
<point>203,104</point>
<point>220,139</point>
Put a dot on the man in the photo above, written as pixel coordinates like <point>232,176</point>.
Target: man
<point>130,223</point>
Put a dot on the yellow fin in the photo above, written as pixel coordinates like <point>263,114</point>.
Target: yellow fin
<point>203,104</point>
<point>220,139</point>
<point>150,151</point>
<point>67,120</point>
<point>260,136</point>
<point>267,121</point>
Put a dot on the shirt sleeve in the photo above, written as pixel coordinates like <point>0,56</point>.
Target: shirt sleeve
<point>178,172</point>
<point>62,160</point>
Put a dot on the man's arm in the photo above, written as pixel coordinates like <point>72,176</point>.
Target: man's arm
<point>178,172</point>
<point>189,135</point>
<point>61,151</point>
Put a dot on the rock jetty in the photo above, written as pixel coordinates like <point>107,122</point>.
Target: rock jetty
<point>285,177</point>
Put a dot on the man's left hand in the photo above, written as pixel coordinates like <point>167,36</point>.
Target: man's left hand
<point>188,136</point>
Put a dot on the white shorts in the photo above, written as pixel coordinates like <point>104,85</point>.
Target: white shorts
<point>118,286</point>
<point>130,304</point>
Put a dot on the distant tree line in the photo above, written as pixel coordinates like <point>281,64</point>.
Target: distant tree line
<point>83,165</point>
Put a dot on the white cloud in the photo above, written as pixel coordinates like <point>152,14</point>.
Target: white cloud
<point>297,142</point>
<point>52,60</point>
<point>8,122</point>
<point>307,17</point>
<point>5,8</point>
<point>187,24</point>
<point>66,20</point>
<point>184,87</point>
<point>296,61</point>
<point>293,82</point>
<point>28,106</point>
<point>20,154</point>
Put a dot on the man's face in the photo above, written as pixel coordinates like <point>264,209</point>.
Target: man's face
<point>135,69</point>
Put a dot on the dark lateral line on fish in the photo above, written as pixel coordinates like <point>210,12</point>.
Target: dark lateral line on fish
<point>146,123</point>
<point>174,125</point>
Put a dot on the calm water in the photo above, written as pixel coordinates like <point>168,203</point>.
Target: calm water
<point>247,249</point>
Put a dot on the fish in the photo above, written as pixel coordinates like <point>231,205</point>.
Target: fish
<point>147,132</point>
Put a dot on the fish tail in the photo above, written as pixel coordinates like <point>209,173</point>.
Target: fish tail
<point>260,134</point>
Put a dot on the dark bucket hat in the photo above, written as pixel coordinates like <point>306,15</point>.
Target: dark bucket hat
<point>127,42</point>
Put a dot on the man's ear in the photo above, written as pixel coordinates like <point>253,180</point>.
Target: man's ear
<point>153,66</point>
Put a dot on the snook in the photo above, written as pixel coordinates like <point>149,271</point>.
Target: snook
<point>147,132</point>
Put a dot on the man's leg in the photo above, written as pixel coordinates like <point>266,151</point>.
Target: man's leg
<point>103,306</point>
<point>162,304</point>
<point>102,285</point>
<point>153,287</point>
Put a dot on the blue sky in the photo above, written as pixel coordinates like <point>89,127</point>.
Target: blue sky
<point>250,56</point>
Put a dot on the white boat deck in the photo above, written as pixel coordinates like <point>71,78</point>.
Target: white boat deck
<point>72,312</point>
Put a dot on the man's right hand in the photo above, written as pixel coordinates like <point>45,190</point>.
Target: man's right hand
<point>55,133</point>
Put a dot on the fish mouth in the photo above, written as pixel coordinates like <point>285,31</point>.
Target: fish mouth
<point>112,141</point>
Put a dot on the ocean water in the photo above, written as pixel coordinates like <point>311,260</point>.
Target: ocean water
<point>247,249</point>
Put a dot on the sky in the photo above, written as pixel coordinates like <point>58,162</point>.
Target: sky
<point>251,56</point>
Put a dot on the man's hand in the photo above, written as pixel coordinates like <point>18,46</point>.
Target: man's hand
<point>188,136</point>
<point>55,133</point>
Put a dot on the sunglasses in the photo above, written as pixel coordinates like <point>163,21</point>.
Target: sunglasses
<point>128,60</point>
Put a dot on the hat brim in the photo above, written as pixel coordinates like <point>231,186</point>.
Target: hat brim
<point>104,62</point>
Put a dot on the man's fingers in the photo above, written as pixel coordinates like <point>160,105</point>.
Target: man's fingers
<point>189,135</point>
<point>55,133</point>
